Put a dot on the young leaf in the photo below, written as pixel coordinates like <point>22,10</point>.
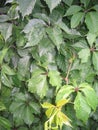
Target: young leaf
<point>52,4</point>
<point>90,94</point>
<point>26,6</point>
<point>84,55</point>
<point>76,19</point>
<point>54,78</point>
<point>55,115</point>
<point>64,92</point>
<point>49,111</point>
<point>64,119</point>
<point>91,21</point>
<point>82,108</point>
<point>62,102</point>
<point>47,105</point>
<point>73,10</point>
<point>95,60</point>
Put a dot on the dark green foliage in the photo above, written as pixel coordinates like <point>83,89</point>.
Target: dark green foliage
<point>48,52</point>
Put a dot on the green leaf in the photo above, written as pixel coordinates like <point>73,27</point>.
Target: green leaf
<point>73,10</point>
<point>20,97</point>
<point>2,106</point>
<point>33,23</point>
<point>85,2</point>
<point>5,80</point>
<point>4,18</point>
<point>22,109</point>
<point>86,73</point>
<point>2,54</point>
<point>61,62</point>
<point>68,31</point>
<point>52,3</point>
<point>96,88</point>
<point>20,38</point>
<point>95,60</point>
<point>64,92</point>
<point>84,55</point>
<point>28,116</point>
<point>35,36</point>
<point>23,65</point>
<point>91,37</point>
<point>90,94</point>
<point>6,30</point>
<point>91,21</point>
<point>43,17</point>
<point>63,26</point>
<point>46,51</point>
<point>26,6</point>
<point>95,7</point>
<point>5,123</point>
<point>76,19</point>
<point>54,78</point>
<point>38,83</point>
<point>35,107</point>
<point>7,70</point>
<point>13,12</point>
<point>15,106</point>
<point>68,2</point>
<point>34,32</point>
<point>81,44</point>
<point>55,35</point>
<point>81,107</point>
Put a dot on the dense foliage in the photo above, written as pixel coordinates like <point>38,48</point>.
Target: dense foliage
<point>49,65</point>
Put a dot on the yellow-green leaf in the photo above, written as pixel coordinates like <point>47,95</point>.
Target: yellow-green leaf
<point>64,118</point>
<point>62,102</point>
<point>47,105</point>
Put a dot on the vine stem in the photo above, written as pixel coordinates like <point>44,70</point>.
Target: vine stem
<point>69,68</point>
